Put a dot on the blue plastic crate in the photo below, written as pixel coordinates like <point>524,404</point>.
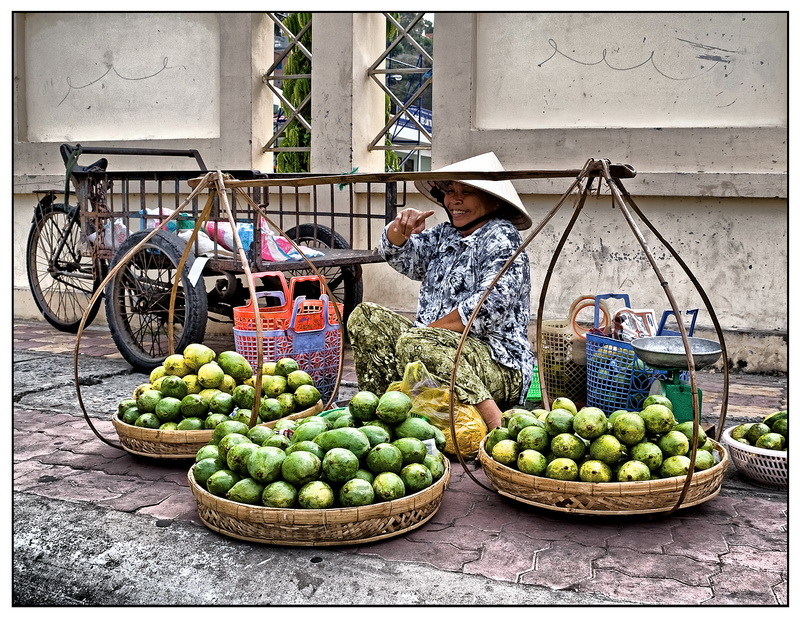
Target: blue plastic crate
<point>616,379</point>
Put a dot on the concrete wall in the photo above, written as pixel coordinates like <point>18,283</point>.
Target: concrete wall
<point>703,122</point>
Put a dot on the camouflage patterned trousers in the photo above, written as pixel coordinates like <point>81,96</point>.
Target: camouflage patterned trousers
<point>383,342</point>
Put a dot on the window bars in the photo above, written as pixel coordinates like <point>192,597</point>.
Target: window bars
<point>408,112</point>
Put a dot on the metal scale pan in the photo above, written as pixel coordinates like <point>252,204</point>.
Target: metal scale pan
<point>667,352</point>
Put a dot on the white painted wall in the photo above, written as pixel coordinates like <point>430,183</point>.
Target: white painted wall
<point>640,70</point>
<point>152,75</point>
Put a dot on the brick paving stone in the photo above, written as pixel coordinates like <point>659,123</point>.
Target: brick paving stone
<point>563,565</point>
<point>465,537</point>
<point>761,513</point>
<point>123,464</point>
<point>180,475</point>
<point>758,539</point>
<point>542,524</point>
<point>698,540</point>
<point>645,537</point>
<point>136,494</point>
<point>718,510</point>
<point>742,586</point>
<point>69,428</point>
<point>506,556</point>
<point>93,446</point>
<point>31,474</point>
<point>30,421</point>
<point>491,515</point>
<point>95,462</point>
<point>27,446</point>
<point>174,507</point>
<point>454,505</point>
<point>757,558</point>
<point>634,562</point>
<point>404,548</point>
<point>82,487</point>
<point>781,591</point>
<point>643,590</point>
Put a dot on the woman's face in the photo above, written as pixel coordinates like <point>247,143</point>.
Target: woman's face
<point>466,204</point>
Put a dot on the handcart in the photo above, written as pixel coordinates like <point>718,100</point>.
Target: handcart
<point>79,235</point>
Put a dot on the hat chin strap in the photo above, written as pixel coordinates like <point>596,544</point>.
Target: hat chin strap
<point>479,220</point>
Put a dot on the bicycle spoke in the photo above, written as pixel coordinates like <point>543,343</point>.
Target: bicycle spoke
<point>62,278</point>
<point>146,289</point>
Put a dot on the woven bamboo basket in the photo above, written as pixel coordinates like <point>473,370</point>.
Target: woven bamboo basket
<point>319,527</point>
<point>176,444</point>
<point>610,499</point>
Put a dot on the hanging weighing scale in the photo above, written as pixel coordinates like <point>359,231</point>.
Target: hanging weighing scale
<point>668,353</point>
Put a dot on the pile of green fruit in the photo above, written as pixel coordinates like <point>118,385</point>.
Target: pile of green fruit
<point>369,452</point>
<point>771,433</point>
<point>199,389</point>
<point>587,445</point>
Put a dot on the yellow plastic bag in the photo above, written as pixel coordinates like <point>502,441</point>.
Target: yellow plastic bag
<point>432,401</point>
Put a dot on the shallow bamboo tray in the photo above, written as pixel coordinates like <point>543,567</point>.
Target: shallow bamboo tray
<point>319,527</point>
<point>176,444</point>
<point>610,499</point>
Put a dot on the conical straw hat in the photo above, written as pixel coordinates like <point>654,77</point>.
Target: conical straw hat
<point>487,162</point>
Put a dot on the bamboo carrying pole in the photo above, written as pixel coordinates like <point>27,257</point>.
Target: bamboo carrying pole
<point>123,262</point>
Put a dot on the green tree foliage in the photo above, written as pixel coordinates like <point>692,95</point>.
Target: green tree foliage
<point>295,90</point>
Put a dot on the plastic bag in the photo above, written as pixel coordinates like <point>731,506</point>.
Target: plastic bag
<point>222,233</point>
<point>630,324</point>
<point>432,401</point>
<point>114,233</point>
<point>277,249</point>
<point>274,248</point>
<point>205,245</point>
<point>155,217</point>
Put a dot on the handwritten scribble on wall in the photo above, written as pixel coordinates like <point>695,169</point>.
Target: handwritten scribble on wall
<point>122,76</point>
<point>112,71</point>
<point>631,70</point>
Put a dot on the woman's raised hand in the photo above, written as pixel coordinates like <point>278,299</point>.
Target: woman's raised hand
<point>408,221</point>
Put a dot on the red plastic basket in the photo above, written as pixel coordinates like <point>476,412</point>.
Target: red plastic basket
<point>279,317</point>
<point>310,338</point>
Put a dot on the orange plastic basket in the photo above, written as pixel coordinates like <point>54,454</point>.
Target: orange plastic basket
<point>279,317</point>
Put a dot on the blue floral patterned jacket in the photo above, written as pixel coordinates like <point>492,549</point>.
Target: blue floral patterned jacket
<point>456,271</point>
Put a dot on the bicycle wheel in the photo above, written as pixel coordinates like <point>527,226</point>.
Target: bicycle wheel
<point>345,281</point>
<point>137,300</point>
<point>62,281</point>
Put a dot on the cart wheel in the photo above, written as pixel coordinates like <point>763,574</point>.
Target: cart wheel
<point>137,300</point>
<point>62,282</point>
<point>345,282</point>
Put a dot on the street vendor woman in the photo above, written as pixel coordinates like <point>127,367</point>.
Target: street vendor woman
<point>456,261</point>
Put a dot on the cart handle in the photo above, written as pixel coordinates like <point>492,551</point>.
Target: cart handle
<point>67,152</point>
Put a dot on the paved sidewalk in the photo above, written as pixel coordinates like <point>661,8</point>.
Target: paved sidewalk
<point>94,525</point>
